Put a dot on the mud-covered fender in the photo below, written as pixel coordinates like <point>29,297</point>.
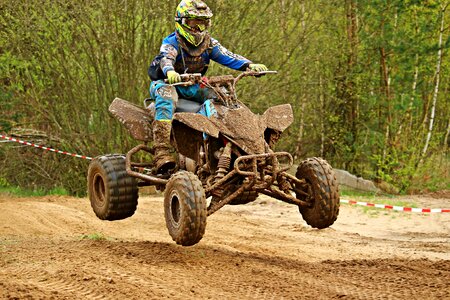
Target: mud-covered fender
<point>187,132</point>
<point>136,119</point>
<point>198,122</point>
<point>279,117</point>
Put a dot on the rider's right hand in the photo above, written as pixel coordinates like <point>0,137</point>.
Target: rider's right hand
<point>173,77</point>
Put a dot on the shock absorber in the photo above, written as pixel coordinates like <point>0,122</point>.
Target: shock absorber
<point>224,162</point>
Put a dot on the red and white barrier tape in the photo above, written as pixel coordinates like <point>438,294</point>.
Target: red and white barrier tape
<point>54,150</point>
<point>44,148</point>
<point>385,206</point>
<point>398,208</point>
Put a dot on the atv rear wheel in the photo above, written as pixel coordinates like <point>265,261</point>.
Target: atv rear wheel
<point>185,208</point>
<point>112,192</point>
<point>322,187</point>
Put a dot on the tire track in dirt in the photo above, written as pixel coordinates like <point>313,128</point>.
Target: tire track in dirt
<point>136,269</point>
<point>34,280</point>
<point>249,252</point>
<point>394,278</point>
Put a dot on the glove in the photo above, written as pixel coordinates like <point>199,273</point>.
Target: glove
<point>173,77</point>
<point>258,67</point>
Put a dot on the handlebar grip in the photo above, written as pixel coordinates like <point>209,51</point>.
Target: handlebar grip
<point>186,79</point>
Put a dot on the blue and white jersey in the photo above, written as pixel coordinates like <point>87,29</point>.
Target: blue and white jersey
<point>173,57</point>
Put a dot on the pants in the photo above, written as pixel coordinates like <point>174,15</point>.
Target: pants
<point>166,98</point>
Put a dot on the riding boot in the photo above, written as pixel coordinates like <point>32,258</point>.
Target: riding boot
<point>163,160</point>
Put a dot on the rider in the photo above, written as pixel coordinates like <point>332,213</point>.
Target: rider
<point>187,50</point>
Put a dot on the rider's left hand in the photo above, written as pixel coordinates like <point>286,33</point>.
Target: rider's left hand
<point>258,67</point>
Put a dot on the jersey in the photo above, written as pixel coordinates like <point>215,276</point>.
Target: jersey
<point>173,57</point>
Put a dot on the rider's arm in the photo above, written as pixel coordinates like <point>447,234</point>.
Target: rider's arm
<point>169,54</point>
<point>227,58</point>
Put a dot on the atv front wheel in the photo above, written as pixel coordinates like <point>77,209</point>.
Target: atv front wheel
<point>185,208</point>
<point>112,192</point>
<point>322,187</point>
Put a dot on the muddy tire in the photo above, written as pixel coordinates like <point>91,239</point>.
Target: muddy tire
<point>324,190</point>
<point>185,208</point>
<point>112,192</point>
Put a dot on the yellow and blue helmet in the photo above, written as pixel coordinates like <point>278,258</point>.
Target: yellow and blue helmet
<point>193,18</point>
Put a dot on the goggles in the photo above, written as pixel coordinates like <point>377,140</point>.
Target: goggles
<point>197,24</point>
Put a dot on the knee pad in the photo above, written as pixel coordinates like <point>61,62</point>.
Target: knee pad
<point>166,98</point>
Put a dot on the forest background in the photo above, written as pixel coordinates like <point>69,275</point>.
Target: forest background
<point>369,81</point>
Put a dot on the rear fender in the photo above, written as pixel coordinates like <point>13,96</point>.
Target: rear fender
<point>136,119</point>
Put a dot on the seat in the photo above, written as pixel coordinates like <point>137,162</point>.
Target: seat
<point>185,105</point>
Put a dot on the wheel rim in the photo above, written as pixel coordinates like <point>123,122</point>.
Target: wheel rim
<point>175,208</point>
<point>99,189</point>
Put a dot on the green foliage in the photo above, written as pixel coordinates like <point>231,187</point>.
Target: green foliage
<point>347,68</point>
<point>345,192</point>
<point>432,176</point>
<point>3,182</point>
<point>94,237</point>
<point>7,188</point>
<point>375,212</point>
<point>21,192</point>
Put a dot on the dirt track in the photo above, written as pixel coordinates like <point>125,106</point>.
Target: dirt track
<point>263,250</point>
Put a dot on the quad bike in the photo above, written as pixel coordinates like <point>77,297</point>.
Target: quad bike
<point>227,158</point>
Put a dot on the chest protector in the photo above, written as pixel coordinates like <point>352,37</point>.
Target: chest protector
<point>190,59</point>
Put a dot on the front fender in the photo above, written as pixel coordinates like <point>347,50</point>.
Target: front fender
<point>279,117</point>
<point>187,133</point>
<point>198,122</point>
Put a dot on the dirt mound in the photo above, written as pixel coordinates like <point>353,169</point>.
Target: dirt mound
<point>55,247</point>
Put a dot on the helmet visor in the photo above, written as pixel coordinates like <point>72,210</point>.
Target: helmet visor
<point>197,24</point>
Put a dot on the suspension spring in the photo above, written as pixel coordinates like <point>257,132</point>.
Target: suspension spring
<point>224,162</point>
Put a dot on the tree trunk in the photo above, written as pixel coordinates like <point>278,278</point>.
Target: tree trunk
<point>408,116</point>
<point>349,84</point>
<point>298,146</point>
<point>436,87</point>
<point>446,145</point>
<point>322,119</point>
<point>385,83</point>
<point>414,89</point>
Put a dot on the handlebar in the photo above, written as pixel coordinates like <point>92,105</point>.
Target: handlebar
<point>187,79</point>
<point>253,73</point>
<point>195,78</point>
<point>224,86</point>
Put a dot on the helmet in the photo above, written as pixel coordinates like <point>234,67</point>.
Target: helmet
<point>193,18</point>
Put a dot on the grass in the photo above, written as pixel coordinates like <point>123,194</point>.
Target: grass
<point>344,192</point>
<point>94,237</point>
<point>372,197</point>
<point>374,211</point>
<point>349,192</point>
<point>5,188</point>
<point>392,202</point>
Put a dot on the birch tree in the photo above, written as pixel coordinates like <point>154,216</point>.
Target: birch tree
<point>436,86</point>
